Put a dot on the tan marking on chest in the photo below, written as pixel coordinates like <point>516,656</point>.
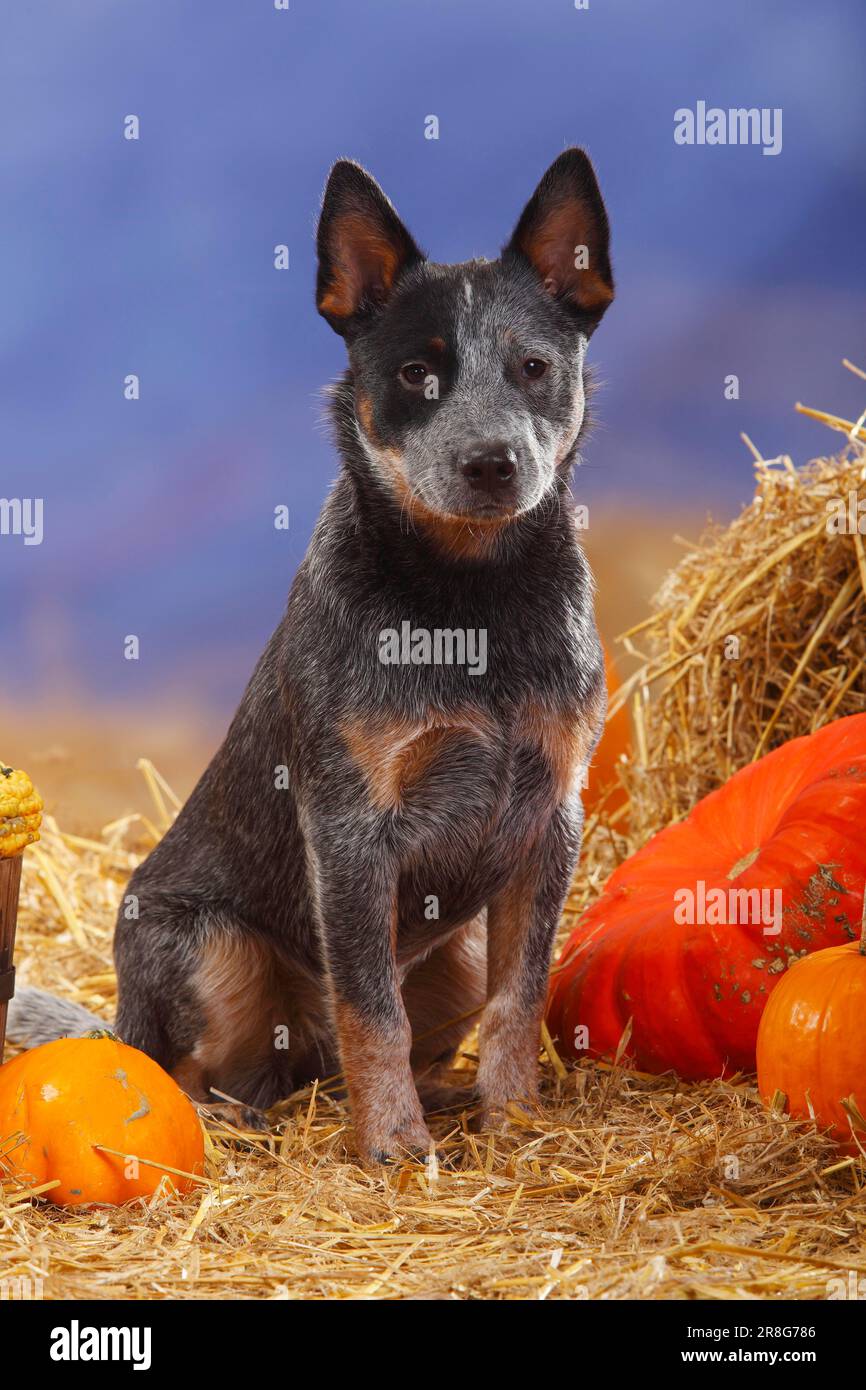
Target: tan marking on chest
<point>566,739</point>
<point>395,754</point>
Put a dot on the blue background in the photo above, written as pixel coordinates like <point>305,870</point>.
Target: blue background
<point>156,257</point>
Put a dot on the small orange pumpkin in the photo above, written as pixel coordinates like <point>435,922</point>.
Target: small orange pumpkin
<point>59,1101</point>
<point>812,1042</point>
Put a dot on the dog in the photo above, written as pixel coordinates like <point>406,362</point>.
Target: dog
<point>379,852</point>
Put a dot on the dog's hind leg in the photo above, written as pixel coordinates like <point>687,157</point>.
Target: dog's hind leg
<point>219,1009</point>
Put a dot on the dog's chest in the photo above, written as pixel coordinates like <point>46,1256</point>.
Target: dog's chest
<point>459,778</point>
<point>471,795</point>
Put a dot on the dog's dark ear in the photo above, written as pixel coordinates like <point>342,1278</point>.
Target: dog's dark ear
<point>363,247</point>
<point>563,232</point>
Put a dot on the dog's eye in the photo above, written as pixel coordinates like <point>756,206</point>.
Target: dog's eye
<point>534,367</point>
<point>414,373</point>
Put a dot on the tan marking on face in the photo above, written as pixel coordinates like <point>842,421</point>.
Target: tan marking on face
<point>364,412</point>
<point>392,460</point>
<point>458,537</point>
<point>566,739</point>
<point>361,257</point>
<point>437,344</point>
<point>388,459</point>
<point>395,754</point>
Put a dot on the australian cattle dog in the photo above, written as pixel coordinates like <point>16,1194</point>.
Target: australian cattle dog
<point>380,849</point>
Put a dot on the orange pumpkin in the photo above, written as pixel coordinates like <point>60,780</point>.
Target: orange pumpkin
<point>58,1101</point>
<point>694,930</point>
<point>812,1042</point>
<point>614,742</point>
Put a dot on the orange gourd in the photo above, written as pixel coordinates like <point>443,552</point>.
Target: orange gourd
<point>812,1042</point>
<point>60,1100</point>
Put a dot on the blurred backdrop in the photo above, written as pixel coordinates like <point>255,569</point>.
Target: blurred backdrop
<point>155,257</point>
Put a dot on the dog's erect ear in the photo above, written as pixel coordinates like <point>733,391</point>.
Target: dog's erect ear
<point>363,247</point>
<point>563,232</point>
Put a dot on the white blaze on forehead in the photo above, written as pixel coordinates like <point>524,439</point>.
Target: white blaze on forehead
<point>478,333</point>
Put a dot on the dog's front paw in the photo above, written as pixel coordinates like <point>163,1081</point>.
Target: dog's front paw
<point>411,1141</point>
<point>501,1113</point>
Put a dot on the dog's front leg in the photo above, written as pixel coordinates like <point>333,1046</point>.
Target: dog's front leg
<point>359,927</point>
<point>521,925</point>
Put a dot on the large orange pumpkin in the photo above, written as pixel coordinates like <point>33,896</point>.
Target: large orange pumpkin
<point>614,742</point>
<point>60,1100</point>
<point>787,833</point>
<point>812,1041</point>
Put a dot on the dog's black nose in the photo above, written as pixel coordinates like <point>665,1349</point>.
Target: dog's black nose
<point>490,468</point>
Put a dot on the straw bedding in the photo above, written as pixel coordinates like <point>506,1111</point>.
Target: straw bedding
<point>624,1185</point>
<point>758,635</point>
